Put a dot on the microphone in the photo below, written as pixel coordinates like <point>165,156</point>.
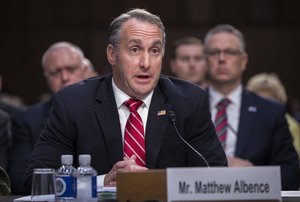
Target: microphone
<point>172,118</point>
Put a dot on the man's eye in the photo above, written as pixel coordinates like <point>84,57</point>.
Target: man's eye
<point>184,59</point>
<point>72,69</point>
<point>155,51</point>
<point>232,52</point>
<point>199,58</point>
<point>214,52</point>
<point>134,49</point>
<point>54,73</point>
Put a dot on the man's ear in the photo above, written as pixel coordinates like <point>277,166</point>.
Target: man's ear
<point>111,54</point>
<point>245,62</point>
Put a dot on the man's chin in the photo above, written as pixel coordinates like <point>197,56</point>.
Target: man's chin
<point>142,92</point>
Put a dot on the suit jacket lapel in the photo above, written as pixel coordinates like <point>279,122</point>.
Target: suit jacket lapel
<point>247,118</point>
<point>156,126</point>
<point>107,113</point>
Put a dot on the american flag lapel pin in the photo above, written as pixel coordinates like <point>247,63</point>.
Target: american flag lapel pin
<point>252,109</point>
<point>161,112</point>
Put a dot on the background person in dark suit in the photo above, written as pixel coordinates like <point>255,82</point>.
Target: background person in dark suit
<point>268,85</point>
<point>63,64</point>
<point>257,131</point>
<point>4,104</point>
<point>90,117</point>
<point>5,138</point>
<point>5,133</point>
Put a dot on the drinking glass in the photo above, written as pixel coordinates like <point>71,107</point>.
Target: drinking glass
<point>43,185</point>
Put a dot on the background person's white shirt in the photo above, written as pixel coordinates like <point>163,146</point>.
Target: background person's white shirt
<point>233,115</point>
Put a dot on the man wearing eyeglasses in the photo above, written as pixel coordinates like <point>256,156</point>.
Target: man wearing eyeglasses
<point>63,64</point>
<point>252,130</point>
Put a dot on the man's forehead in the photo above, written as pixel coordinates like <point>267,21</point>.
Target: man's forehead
<point>63,50</point>
<point>190,47</point>
<point>62,61</point>
<point>137,29</point>
<point>224,38</point>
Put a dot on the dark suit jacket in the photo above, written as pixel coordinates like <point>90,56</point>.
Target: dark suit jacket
<point>85,120</point>
<point>5,138</point>
<point>26,128</point>
<point>264,138</point>
<point>9,109</point>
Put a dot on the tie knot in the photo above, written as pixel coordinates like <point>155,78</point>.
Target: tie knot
<point>133,104</point>
<point>223,103</point>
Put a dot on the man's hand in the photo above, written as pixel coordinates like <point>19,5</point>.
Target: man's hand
<point>128,164</point>
<point>238,162</point>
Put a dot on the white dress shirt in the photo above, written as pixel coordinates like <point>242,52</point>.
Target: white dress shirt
<point>124,113</point>
<point>232,112</point>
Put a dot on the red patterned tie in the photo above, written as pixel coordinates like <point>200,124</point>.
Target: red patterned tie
<point>221,120</point>
<point>134,141</point>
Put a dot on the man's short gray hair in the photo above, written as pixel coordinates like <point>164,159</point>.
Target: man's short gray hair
<point>225,28</point>
<point>62,44</point>
<point>139,14</point>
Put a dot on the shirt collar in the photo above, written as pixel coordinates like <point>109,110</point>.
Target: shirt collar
<point>234,96</point>
<point>121,97</point>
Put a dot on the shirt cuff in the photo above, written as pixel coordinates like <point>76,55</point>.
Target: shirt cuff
<point>100,180</point>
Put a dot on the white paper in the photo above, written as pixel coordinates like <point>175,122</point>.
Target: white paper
<point>37,198</point>
<point>24,198</point>
<point>290,194</point>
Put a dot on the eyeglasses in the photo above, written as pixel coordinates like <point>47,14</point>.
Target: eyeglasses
<point>228,53</point>
<point>58,72</point>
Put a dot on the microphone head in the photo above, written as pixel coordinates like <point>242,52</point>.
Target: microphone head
<point>171,116</point>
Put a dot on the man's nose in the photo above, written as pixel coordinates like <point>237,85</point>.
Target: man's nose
<point>65,75</point>
<point>221,56</point>
<point>145,60</point>
<point>192,63</point>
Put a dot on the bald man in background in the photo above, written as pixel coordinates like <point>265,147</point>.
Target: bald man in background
<point>63,64</point>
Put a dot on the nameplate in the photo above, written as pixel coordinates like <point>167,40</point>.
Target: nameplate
<point>224,184</point>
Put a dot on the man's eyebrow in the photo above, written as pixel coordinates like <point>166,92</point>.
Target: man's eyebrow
<point>157,42</point>
<point>137,41</point>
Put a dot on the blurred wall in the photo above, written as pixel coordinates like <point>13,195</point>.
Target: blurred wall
<point>27,28</point>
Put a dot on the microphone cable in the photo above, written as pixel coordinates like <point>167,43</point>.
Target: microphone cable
<point>172,118</point>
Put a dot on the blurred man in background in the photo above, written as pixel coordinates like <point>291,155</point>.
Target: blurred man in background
<point>63,64</point>
<point>5,131</point>
<point>252,130</point>
<point>8,102</point>
<point>188,60</point>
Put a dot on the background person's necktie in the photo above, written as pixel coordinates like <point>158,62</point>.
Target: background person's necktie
<point>221,120</point>
<point>134,140</point>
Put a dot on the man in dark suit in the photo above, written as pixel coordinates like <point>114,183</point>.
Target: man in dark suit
<point>5,138</point>
<point>91,117</point>
<point>63,64</point>
<point>5,131</point>
<point>256,131</point>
